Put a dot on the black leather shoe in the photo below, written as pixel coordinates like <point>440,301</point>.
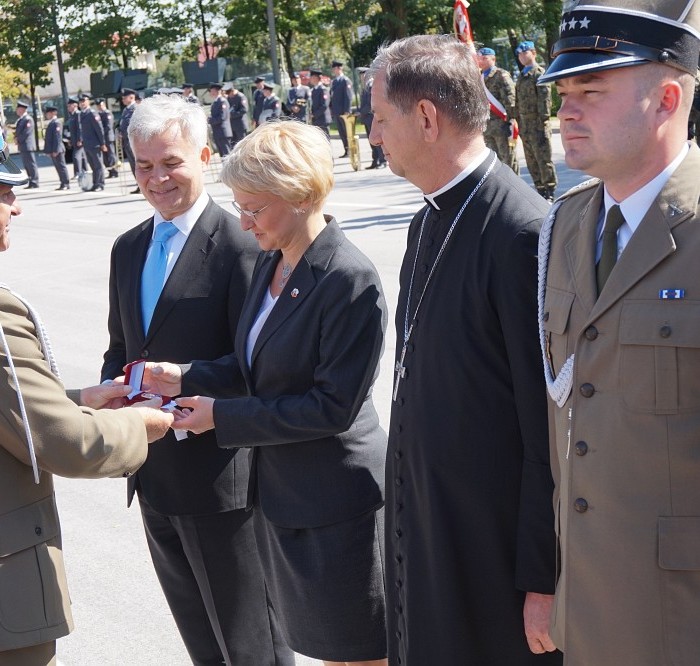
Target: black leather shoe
<point>136,191</point>
<point>345,154</point>
<point>32,186</point>
<point>63,187</point>
<point>97,188</point>
<point>372,166</point>
<point>113,174</point>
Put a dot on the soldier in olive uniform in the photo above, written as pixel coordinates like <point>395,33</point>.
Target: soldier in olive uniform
<point>107,120</point>
<point>500,134</point>
<point>24,136</point>
<point>320,109</point>
<point>54,148</point>
<point>533,109</point>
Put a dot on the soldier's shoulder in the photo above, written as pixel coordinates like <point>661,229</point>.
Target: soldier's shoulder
<point>579,194</point>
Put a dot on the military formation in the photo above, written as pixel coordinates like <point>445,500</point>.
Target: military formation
<point>518,108</point>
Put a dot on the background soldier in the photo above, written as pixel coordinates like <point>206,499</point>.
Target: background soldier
<point>272,108</point>
<point>54,148</point>
<point>238,113</point>
<point>341,100</point>
<point>320,110</point>
<point>93,138</point>
<point>258,99</point>
<point>24,136</point>
<point>501,130</point>
<point>188,93</point>
<point>366,116</point>
<point>220,121</point>
<point>533,109</point>
<point>128,96</point>
<point>107,119</point>
<point>298,98</point>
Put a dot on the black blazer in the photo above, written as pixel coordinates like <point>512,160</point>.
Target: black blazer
<point>319,452</point>
<point>196,317</point>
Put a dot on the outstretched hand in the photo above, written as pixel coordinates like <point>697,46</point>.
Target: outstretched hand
<point>109,396</point>
<point>196,415</point>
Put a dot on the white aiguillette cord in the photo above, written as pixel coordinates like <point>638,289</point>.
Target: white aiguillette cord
<point>48,355</point>
<point>399,368</point>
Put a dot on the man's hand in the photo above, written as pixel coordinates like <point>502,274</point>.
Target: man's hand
<point>199,419</point>
<point>110,396</point>
<point>156,421</point>
<point>162,378</point>
<point>536,612</point>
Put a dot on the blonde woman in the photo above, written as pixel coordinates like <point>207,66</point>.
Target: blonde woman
<point>306,355</point>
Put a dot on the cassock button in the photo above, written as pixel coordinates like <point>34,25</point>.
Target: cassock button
<point>665,331</point>
<point>398,608</point>
<point>587,390</point>
<point>581,505</point>
<point>398,454</point>
<point>399,507</point>
<point>399,559</point>
<point>398,429</point>
<point>398,635</point>
<point>581,448</point>
<point>400,402</point>
<point>399,583</point>
<point>144,353</point>
<point>429,242</point>
<point>398,533</point>
<point>591,333</point>
<point>425,268</point>
<point>398,481</point>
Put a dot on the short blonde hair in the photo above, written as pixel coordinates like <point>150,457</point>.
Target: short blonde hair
<point>287,158</point>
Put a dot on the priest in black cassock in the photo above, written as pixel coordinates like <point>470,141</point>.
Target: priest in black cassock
<point>470,544</point>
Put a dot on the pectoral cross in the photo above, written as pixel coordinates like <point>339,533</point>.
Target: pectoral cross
<point>400,370</point>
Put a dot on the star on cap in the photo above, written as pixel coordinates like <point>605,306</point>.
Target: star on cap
<point>572,24</point>
<point>584,22</point>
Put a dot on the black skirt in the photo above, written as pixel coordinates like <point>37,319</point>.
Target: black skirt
<point>326,585</point>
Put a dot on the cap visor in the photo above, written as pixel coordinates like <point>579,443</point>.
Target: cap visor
<point>11,174</point>
<point>576,64</point>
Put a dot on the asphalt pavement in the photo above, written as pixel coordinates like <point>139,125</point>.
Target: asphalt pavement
<point>59,260</point>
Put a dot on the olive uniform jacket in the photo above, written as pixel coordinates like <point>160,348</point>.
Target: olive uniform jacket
<point>626,456</point>
<point>68,440</point>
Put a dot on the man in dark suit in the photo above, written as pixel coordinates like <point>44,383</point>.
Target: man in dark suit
<point>24,136</point>
<point>469,490</point>
<point>220,121</point>
<point>53,146</point>
<point>93,141</point>
<point>192,493</point>
<point>238,112</point>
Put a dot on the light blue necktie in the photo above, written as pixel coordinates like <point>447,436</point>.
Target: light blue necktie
<point>153,275</point>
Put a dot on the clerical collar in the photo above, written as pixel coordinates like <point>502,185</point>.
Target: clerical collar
<point>432,199</point>
<point>635,206</point>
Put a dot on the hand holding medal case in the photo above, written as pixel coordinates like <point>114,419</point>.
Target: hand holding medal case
<point>133,376</point>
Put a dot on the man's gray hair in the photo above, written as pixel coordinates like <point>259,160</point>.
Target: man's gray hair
<point>438,68</point>
<point>157,114</point>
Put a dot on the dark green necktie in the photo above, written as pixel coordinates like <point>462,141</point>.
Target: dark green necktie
<point>608,256</point>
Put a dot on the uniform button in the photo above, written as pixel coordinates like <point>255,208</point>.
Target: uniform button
<point>581,448</point>
<point>665,331</point>
<point>587,390</point>
<point>37,530</point>
<point>398,480</point>
<point>398,533</point>
<point>545,316</point>
<point>398,454</point>
<point>581,505</point>
<point>591,333</point>
<point>144,353</point>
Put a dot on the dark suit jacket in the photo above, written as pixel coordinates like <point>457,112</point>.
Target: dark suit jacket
<point>195,317</point>
<point>319,450</point>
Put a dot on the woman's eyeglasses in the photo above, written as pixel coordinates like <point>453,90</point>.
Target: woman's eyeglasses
<point>249,213</point>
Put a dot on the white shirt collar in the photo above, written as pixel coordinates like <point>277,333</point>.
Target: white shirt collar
<point>187,220</point>
<point>635,206</point>
<point>457,179</point>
